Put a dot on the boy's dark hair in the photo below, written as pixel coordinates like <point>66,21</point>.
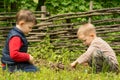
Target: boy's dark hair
<point>26,16</point>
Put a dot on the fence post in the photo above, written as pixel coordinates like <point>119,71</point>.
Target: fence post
<point>43,15</point>
<point>91,8</point>
<point>43,9</point>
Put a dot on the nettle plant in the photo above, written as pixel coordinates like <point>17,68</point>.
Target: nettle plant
<point>45,50</point>
<point>41,49</point>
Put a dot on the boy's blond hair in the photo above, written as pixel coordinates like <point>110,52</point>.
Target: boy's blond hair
<point>25,15</point>
<point>86,29</point>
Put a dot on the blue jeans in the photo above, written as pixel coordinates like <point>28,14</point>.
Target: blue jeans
<point>25,66</point>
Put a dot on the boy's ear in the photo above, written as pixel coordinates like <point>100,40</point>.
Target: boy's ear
<point>92,34</point>
<point>21,23</point>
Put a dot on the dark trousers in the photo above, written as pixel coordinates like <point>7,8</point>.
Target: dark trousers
<point>27,67</point>
<point>100,63</point>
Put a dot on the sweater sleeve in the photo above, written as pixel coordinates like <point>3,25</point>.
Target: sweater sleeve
<point>15,44</point>
<point>86,56</point>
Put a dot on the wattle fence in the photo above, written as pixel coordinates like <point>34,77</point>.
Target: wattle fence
<point>62,28</point>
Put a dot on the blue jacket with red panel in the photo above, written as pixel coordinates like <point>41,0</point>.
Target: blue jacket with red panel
<point>6,59</point>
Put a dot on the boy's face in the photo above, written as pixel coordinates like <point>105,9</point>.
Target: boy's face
<point>26,27</point>
<point>86,39</point>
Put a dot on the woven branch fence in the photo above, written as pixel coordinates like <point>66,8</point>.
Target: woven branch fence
<point>62,28</point>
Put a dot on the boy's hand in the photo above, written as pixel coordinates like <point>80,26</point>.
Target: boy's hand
<point>31,59</point>
<point>73,65</point>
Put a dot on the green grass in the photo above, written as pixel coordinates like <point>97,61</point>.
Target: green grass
<point>50,74</point>
<point>44,55</point>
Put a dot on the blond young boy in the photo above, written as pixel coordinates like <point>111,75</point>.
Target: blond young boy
<point>14,54</point>
<point>99,55</point>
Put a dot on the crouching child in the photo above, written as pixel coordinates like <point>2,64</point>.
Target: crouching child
<point>14,54</point>
<point>99,55</point>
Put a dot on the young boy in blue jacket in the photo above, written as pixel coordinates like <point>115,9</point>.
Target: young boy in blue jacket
<point>14,54</point>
